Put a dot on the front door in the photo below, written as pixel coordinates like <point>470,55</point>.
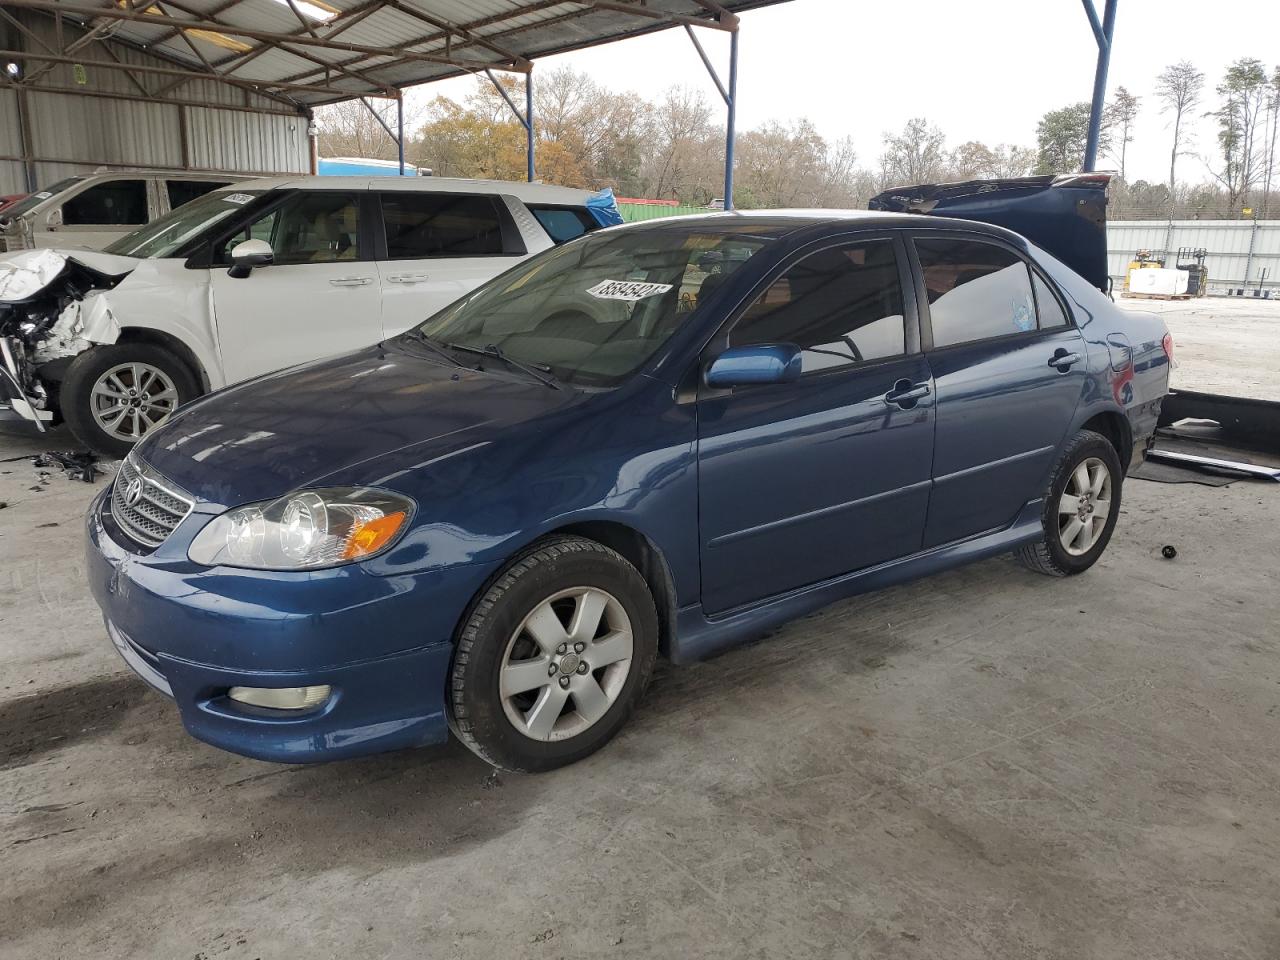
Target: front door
<point>439,247</point>
<point>319,298</point>
<point>1009,371</point>
<point>804,481</point>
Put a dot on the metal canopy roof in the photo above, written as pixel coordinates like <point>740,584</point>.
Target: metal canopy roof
<point>321,51</point>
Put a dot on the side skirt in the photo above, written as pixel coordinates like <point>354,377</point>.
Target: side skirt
<point>698,637</point>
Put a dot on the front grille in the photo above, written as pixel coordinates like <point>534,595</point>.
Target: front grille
<point>144,505</point>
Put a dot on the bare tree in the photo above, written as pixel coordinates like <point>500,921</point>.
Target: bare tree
<point>1118,120</point>
<point>1178,88</point>
<point>1273,107</point>
<point>349,129</point>
<point>915,155</point>
<point>1244,91</point>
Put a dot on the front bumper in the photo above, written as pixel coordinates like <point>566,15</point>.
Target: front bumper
<point>382,643</point>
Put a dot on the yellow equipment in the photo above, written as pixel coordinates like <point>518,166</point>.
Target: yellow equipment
<point>1143,260</point>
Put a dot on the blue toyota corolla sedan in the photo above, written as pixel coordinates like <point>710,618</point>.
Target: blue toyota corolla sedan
<point>657,440</point>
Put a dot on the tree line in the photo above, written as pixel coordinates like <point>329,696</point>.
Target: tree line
<point>673,149</point>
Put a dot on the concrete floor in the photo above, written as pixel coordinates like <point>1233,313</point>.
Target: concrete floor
<point>985,764</point>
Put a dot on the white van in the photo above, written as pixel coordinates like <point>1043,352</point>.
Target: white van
<point>94,211</point>
<point>250,279</point>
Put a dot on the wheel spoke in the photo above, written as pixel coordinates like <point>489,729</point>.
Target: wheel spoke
<point>546,629</point>
<point>540,720</point>
<point>107,390</point>
<point>137,426</point>
<point>1097,479</point>
<point>1068,504</point>
<point>167,394</point>
<point>586,617</point>
<point>591,701</point>
<point>1080,478</point>
<point>1101,508</point>
<point>525,675</point>
<point>610,649</point>
<point>1071,531</point>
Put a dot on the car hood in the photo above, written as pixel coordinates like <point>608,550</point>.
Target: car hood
<point>323,421</point>
<point>1066,214</point>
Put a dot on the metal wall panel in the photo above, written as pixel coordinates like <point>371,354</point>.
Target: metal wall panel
<point>12,178</point>
<point>247,142</point>
<point>1229,243</point>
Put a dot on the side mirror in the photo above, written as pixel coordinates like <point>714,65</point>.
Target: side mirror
<point>764,363</point>
<point>249,254</point>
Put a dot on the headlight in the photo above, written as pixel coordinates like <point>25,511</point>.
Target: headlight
<point>311,528</point>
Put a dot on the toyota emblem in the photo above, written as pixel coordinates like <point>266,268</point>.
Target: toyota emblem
<point>133,492</point>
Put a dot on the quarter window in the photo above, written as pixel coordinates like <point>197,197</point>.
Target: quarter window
<point>1047,306</point>
<point>976,291</point>
<point>116,203</point>
<point>841,306</point>
<point>425,225</point>
<point>563,223</point>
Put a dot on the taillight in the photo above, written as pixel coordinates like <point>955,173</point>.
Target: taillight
<point>1167,343</point>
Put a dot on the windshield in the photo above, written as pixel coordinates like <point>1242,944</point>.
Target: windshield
<point>37,198</point>
<point>163,237</point>
<point>592,311</point>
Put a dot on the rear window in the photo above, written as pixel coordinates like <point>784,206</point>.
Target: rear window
<point>976,290</point>
<point>564,223</point>
<point>184,191</point>
<point>424,225</point>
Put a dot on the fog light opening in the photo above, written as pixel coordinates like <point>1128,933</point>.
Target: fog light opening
<point>281,698</point>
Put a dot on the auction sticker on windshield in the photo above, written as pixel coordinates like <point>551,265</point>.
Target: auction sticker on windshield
<point>238,198</point>
<point>630,290</point>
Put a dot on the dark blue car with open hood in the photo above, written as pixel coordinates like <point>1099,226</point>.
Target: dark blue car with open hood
<point>657,440</point>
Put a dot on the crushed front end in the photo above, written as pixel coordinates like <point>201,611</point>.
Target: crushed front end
<point>49,312</point>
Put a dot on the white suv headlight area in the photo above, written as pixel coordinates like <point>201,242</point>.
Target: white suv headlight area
<point>304,530</point>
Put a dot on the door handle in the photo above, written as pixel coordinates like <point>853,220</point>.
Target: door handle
<point>408,278</point>
<point>350,281</point>
<point>1062,360</point>
<point>905,394</point>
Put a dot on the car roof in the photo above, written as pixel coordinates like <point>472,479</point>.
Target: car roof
<point>788,223</point>
<point>531,192</point>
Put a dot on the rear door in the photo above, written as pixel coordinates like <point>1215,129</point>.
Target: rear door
<point>320,297</point>
<point>1009,372</point>
<point>437,247</point>
<point>800,482</point>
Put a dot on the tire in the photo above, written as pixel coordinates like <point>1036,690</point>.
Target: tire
<point>1065,549</point>
<point>166,381</point>
<point>545,726</point>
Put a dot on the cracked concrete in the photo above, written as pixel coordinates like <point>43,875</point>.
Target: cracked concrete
<point>985,764</point>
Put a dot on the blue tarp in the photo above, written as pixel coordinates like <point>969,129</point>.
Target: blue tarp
<point>604,208</point>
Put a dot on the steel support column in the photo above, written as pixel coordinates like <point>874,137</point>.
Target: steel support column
<point>1102,32</point>
<point>730,97</point>
<point>528,122</point>
<point>400,130</point>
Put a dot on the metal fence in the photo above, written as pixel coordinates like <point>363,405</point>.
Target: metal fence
<point>1243,256</point>
<point>631,212</point>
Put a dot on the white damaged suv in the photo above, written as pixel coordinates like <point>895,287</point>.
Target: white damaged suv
<point>253,278</point>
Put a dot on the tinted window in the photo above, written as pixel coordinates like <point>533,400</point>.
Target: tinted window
<point>184,191</point>
<point>563,223</point>
<point>421,225</point>
<point>976,291</point>
<point>1047,305</point>
<point>118,203</point>
<point>841,306</point>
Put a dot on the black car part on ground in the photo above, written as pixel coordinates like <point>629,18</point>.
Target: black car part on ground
<point>1065,215</point>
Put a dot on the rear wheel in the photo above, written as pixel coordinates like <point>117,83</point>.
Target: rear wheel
<point>553,656</point>
<point>113,396</point>
<point>1080,508</point>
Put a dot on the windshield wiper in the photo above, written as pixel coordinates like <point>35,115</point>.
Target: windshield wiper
<point>418,336</point>
<point>538,371</point>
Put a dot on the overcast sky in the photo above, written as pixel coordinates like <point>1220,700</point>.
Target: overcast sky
<point>982,70</point>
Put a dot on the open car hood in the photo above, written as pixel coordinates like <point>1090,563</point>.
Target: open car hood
<point>1065,215</point>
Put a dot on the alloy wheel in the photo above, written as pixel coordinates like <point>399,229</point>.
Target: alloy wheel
<point>1084,506</point>
<point>132,398</point>
<point>566,663</point>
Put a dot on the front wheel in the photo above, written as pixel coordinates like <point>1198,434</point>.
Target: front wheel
<point>115,395</point>
<point>1081,505</point>
<point>553,657</point>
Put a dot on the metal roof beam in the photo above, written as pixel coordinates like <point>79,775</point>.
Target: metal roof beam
<point>271,37</point>
<point>727,24</point>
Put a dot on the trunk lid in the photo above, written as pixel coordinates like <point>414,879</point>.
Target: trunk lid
<point>1065,214</point>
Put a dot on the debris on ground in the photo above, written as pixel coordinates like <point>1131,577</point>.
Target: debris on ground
<point>78,465</point>
<point>1168,551</point>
